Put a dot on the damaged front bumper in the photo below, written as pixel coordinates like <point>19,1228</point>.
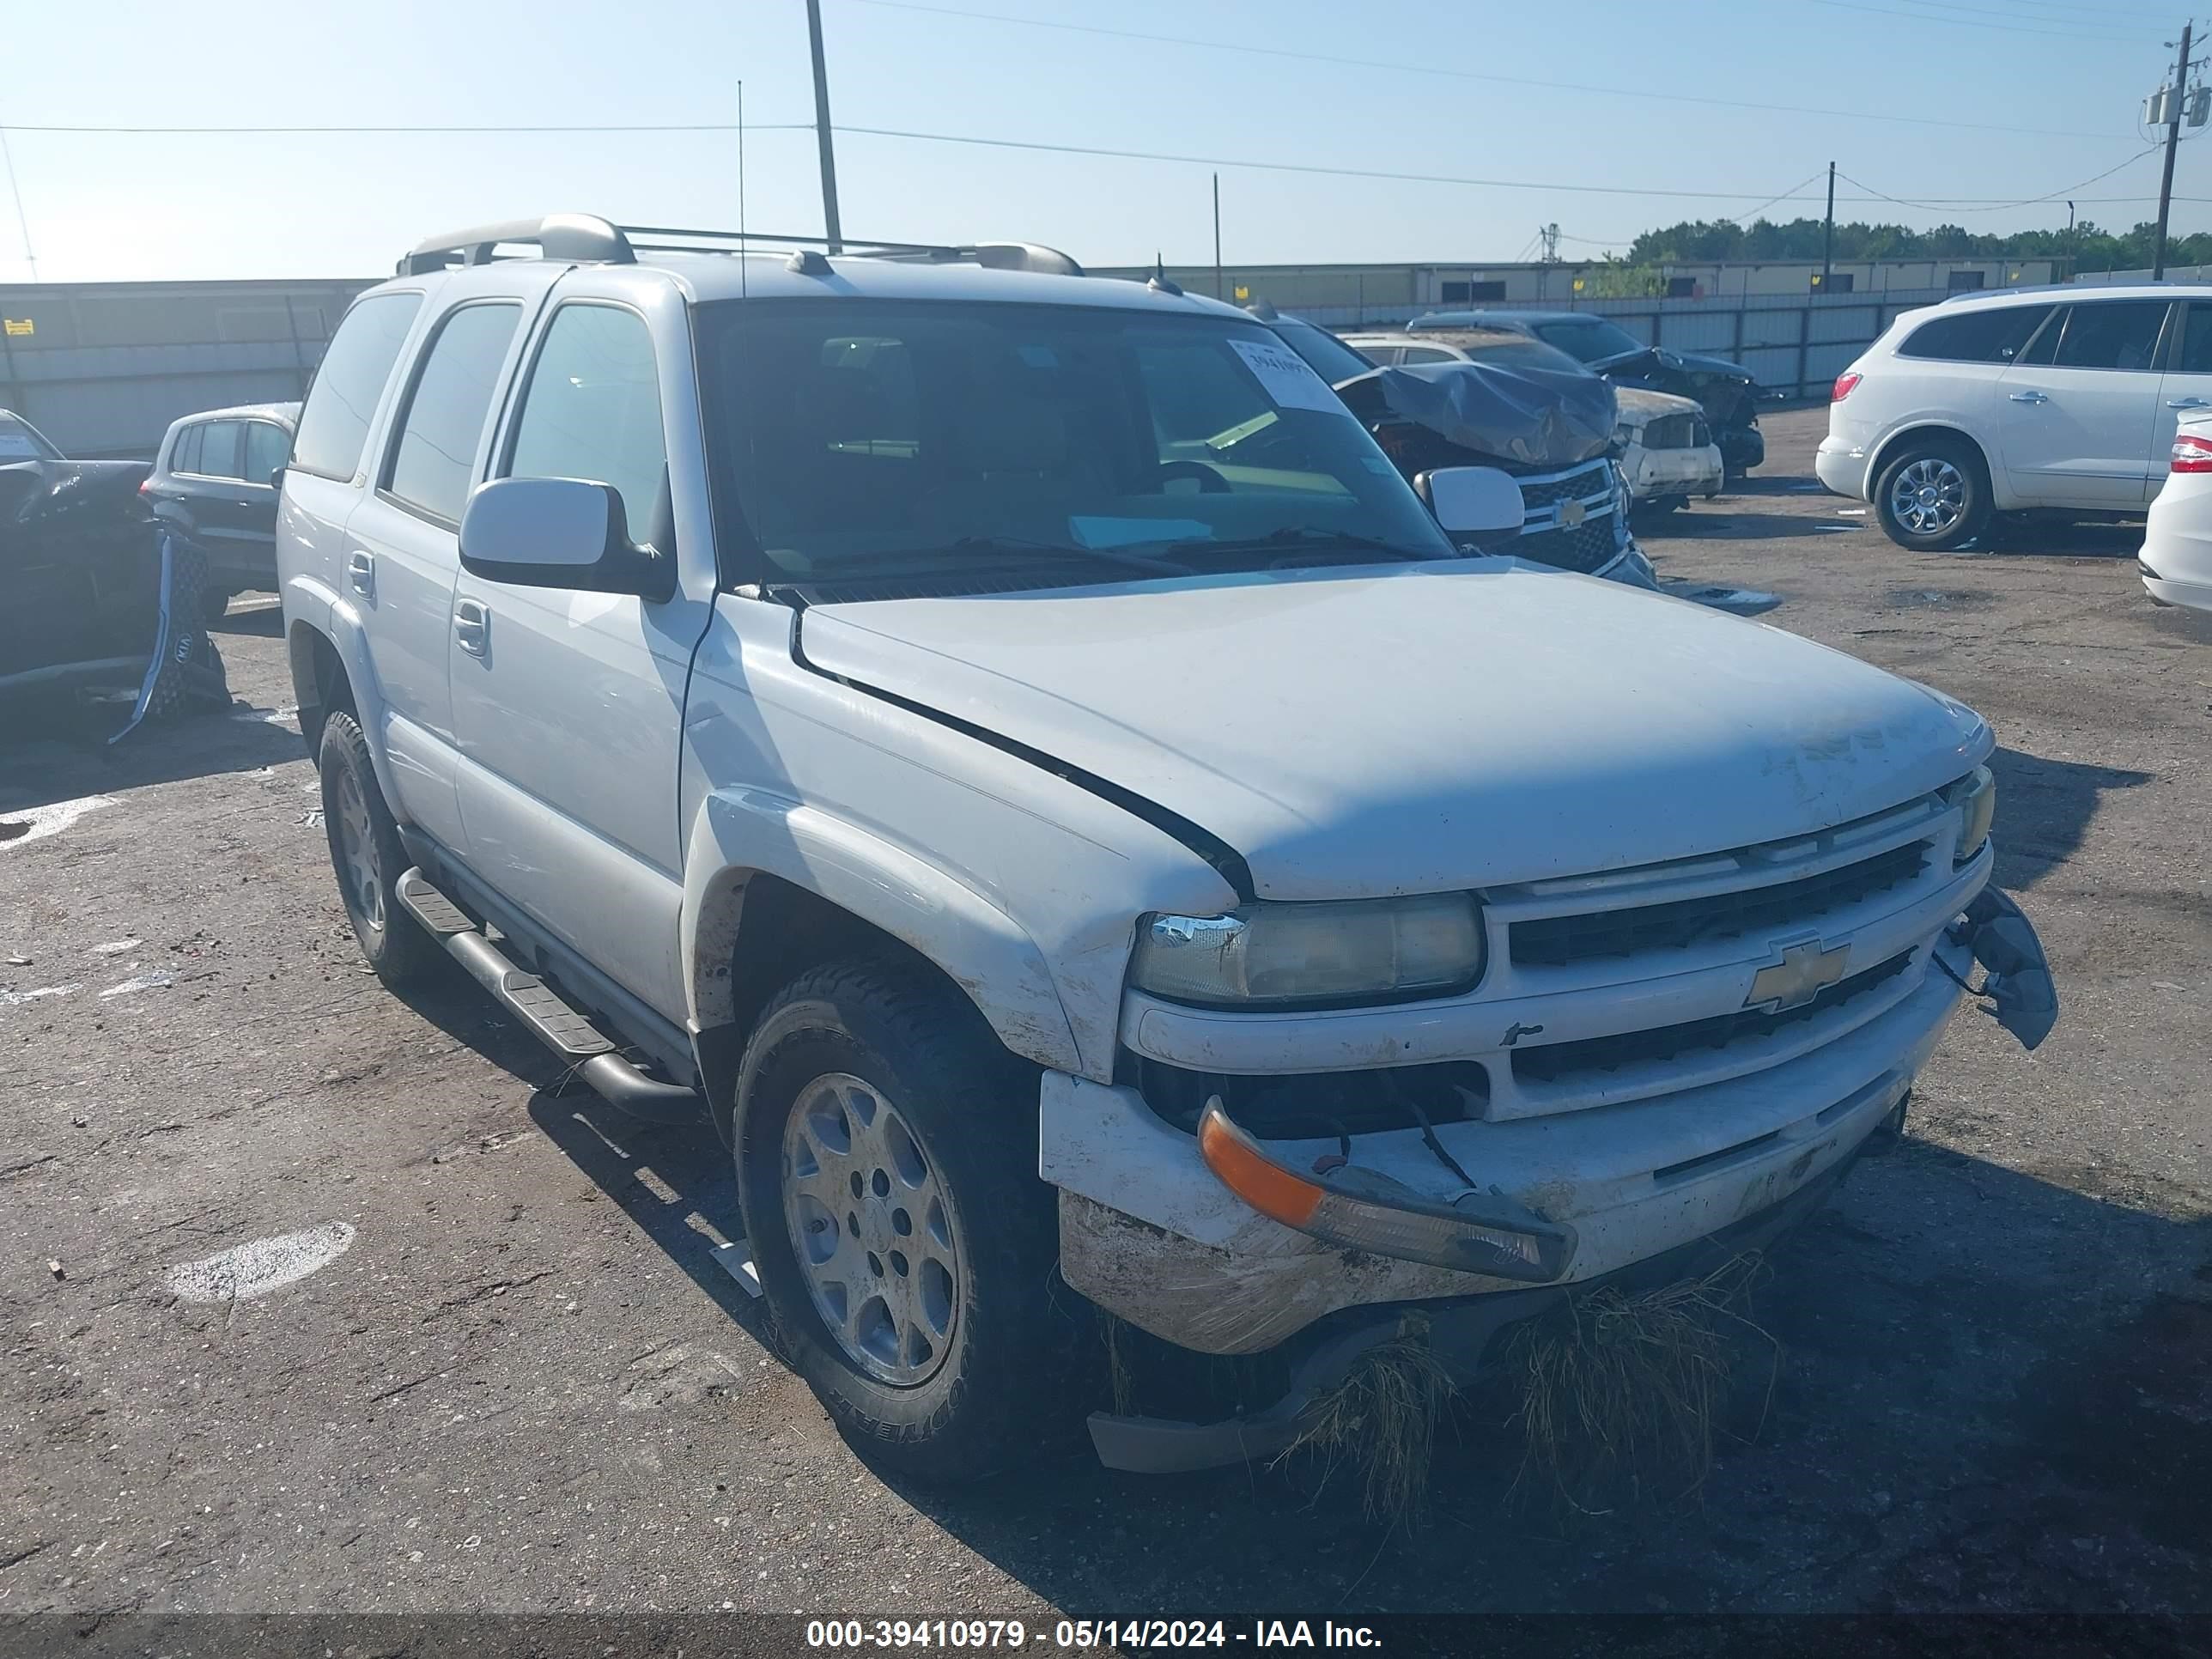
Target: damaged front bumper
<point>1177,1237</point>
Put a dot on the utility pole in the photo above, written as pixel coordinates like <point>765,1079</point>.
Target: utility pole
<point>830,227</point>
<point>1828,233</point>
<point>1550,235</point>
<point>2172,144</point>
<point>2069,242</point>
<point>1217,236</point>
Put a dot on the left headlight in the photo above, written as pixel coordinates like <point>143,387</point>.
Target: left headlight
<point>1976,796</point>
<point>1272,954</point>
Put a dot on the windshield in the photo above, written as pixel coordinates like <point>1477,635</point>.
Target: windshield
<point>21,441</point>
<point>1588,339</point>
<point>1327,355</point>
<point>950,438</point>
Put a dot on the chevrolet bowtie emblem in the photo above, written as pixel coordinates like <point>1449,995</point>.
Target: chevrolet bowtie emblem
<point>1572,513</point>
<point>1805,970</point>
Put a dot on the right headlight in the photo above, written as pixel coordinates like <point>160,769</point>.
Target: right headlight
<point>1269,955</point>
<point>1976,796</point>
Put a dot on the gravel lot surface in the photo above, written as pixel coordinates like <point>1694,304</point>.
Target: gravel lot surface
<point>511,1373</point>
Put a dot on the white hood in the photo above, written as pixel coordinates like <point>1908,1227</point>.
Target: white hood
<point>1638,406</point>
<point>1416,729</point>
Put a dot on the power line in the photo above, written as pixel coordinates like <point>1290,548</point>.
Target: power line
<point>657,126</point>
<point>1960,22</point>
<point>2078,28</point>
<point>1409,178</point>
<point>1336,61</point>
<point>1994,207</point>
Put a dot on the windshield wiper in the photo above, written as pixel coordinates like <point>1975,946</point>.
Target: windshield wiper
<point>1309,536</point>
<point>961,547</point>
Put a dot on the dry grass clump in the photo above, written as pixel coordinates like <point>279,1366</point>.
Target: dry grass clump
<point>1380,1422</point>
<point>1618,1387</point>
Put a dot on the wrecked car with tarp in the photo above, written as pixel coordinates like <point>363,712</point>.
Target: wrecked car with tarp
<point>94,600</point>
<point>1550,430</point>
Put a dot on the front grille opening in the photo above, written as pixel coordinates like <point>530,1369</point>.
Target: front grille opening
<point>1309,1105</point>
<point>1577,486</point>
<point>1557,941</point>
<point>1586,547</point>
<point>1709,1160</point>
<point>1555,1061</point>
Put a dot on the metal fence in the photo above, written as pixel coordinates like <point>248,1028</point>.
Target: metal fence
<point>1794,346</point>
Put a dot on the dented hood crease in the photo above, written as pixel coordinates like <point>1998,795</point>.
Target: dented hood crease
<point>1415,729</point>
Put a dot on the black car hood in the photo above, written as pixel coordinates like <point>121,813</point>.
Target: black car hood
<point>1726,389</point>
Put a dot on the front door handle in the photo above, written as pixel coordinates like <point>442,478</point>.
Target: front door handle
<point>472,627</point>
<point>2029,397</point>
<point>2188,403</point>
<point>360,574</point>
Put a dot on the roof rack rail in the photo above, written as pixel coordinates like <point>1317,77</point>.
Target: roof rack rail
<point>998,256</point>
<point>583,238</point>
<point>557,236</point>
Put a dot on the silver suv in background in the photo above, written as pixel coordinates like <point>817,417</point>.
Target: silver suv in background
<point>1010,751</point>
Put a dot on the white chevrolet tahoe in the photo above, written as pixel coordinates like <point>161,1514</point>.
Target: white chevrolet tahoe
<point>1073,852</point>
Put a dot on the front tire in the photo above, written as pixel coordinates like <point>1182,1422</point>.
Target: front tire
<point>1934,496</point>
<point>887,1154</point>
<point>367,857</point>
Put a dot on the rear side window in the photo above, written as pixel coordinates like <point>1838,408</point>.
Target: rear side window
<point>2112,334</point>
<point>335,424</point>
<point>592,409</point>
<point>266,446</point>
<point>445,415</point>
<point>215,455</point>
<point>185,454</point>
<point>1994,335</point>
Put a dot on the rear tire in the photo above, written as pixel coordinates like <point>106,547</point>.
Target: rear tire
<point>887,1149</point>
<point>1934,496</point>
<point>367,858</point>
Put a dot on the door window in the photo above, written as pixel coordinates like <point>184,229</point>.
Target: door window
<point>266,447</point>
<point>334,425</point>
<point>216,454</point>
<point>2195,357</point>
<point>2120,334</point>
<point>593,410</point>
<point>431,464</point>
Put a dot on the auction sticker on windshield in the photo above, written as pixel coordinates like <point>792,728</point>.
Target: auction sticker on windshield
<point>1286,378</point>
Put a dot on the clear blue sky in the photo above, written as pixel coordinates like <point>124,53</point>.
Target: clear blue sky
<point>2065,77</point>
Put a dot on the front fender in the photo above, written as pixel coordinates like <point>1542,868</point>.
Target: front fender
<point>740,833</point>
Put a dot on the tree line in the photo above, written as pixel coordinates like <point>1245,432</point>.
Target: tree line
<point>2088,247</point>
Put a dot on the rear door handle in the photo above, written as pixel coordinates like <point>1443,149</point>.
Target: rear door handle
<point>360,574</point>
<point>2188,403</point>
<point>471,627</point>
<point>2029,397</point>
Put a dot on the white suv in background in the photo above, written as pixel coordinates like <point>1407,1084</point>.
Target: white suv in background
<point>2051,398</point>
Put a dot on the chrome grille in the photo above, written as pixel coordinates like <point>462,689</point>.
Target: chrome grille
<point>1596,479</point>
<point>1557,941</point>
<point>1584,547</point>
<point>1552,1061</point>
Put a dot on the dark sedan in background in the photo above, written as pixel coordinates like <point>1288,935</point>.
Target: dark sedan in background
<point>1727,390</point>
<point>214,482</point>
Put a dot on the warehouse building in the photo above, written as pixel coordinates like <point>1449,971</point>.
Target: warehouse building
<point>103,367</point>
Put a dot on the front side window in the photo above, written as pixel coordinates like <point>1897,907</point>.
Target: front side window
<point>215,455</point>
<point>444,420</point>
<point>592,409</point>
<point>266,446</point>
<point>334,425</point>
<point>1588,339</point>
<point>1993,336</point>
<point>2112,334</point>
<point>958,438</point>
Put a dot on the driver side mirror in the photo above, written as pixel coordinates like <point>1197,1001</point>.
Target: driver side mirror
<point>559,532</point>
<point>1474,503</point>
